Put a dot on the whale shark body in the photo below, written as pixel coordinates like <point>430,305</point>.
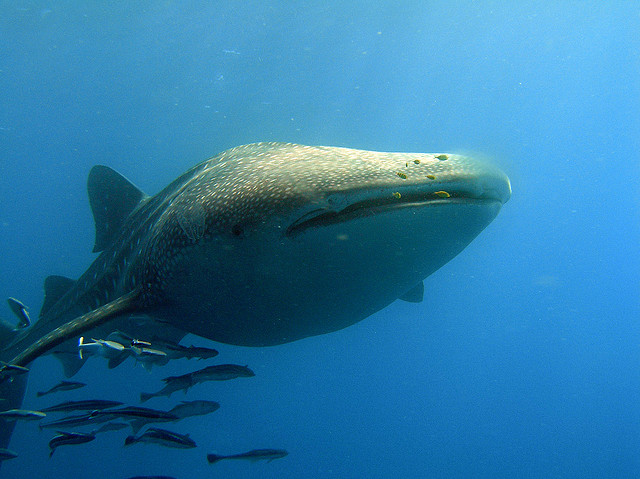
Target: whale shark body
<point>261,245</point>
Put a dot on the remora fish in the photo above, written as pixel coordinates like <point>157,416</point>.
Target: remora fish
<point>86,405</point>
<point>220,372</point>
<point>149,357</point>
<point>21,414</point>
<point>194,408</point>
<point>172,384</point>
<point>199,352</point>
<point>21,312</point>
<point>61,386</point>
<point>183,410</point>
<point>68,438</point>
<point>163,437</point>
<point>214,253</point>
<point>253,455</point>
<point>101,347</point>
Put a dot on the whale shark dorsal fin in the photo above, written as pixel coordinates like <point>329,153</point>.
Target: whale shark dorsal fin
<point>112,198</point>
<point>55,287</point>
<point>415,294</point>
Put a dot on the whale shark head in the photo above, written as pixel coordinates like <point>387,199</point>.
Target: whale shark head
<point>269,243</point>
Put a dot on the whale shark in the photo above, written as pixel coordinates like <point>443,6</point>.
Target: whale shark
<point>263,244</point>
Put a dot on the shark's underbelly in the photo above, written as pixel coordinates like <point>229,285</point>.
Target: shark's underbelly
<point>264,291</point>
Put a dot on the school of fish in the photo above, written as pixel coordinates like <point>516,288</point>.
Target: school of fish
<point>97,416</point>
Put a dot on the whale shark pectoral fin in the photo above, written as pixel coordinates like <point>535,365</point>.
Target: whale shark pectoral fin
<point>415,294</point>
<point>124,304</point>
<point>112,198</point>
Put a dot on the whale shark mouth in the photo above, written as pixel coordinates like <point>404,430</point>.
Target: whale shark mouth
<point>326,217</point>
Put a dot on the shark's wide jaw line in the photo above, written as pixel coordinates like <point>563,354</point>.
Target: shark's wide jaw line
<point>326,217</point>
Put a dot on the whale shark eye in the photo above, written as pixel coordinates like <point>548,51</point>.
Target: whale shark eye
<point>237,230</point>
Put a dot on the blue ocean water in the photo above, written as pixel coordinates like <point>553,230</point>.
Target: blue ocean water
<point>524,358</point>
